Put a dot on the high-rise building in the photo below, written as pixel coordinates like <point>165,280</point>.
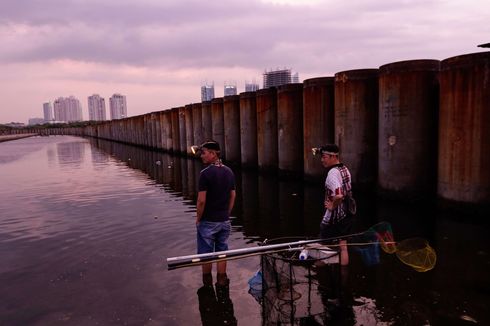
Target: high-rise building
<point>207,92</point>
<point>67,109</point>
<point>96,108</point>
<point>279,77</point>
<point>230,89</point>
<point>251,87</point>
<point>48,111</point>
<point>117,104</point>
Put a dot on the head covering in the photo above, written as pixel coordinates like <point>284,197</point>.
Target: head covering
<point>211,144</point>
<point>330,149</point>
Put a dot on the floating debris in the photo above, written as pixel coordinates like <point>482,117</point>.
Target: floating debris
<point>468,318</point>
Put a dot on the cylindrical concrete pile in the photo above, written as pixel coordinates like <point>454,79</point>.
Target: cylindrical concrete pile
<point>356,124</point>
<point>140,126</point>
<point>167,130</point>
<point>182,130</point>
<point>175,130</point>
<point>189,128</point>
<point>267,129</point>
<point>290,127</point>
<point>408,109</point>
<point>207,122</point>
<point>248,129</point>
<point>197,123</point>
<point>318,122</point>
<point>464,129</point>
<point>231,119</point>
<point>218,124</point>
<point>155,130</point>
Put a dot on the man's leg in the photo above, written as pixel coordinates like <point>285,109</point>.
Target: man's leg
<point>344,253</point>
<point>222,244</point>
<point>221,267</point>
<point>207,268</point>
<point>205,243</point>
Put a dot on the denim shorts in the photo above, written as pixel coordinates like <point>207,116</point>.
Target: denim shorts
<point>212,236</point>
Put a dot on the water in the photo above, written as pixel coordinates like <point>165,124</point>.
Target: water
<point>86,226</point>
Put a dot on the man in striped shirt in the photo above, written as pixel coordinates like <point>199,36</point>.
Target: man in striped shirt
<point>337,220</point>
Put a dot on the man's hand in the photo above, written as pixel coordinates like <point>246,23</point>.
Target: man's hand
<point>332,202</point>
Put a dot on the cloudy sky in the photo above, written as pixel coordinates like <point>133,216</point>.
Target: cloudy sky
<point>159,52</point>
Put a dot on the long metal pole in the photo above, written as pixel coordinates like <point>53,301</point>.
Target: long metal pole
<point>183,261</point>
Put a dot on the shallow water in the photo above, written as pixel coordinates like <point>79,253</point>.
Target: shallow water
<point>86,226</point>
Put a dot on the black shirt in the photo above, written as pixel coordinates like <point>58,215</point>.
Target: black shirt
<point>218,181</point>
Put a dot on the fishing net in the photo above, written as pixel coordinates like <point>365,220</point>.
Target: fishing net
<point>292,290</point>
<point>417,254</point>
<point>295,287</point>
<point>384,234</point>
<point>414,252</point>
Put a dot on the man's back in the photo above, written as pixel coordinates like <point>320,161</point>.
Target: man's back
<point>218,181</point>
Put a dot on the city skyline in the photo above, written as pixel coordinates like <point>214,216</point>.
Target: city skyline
<point>157,54</point>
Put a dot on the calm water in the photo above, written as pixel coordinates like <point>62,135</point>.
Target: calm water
<point>86,226</point>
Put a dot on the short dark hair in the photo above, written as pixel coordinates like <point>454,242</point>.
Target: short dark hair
<point>331,149</point>
<point>212,145</point>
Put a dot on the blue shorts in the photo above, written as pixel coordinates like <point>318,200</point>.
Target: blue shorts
<point>212,236</point>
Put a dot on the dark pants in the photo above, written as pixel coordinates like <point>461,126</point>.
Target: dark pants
<point>335,230</point>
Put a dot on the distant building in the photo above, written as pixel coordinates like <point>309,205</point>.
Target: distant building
<point>15,124</point>
<point>295,78</point>
<point>48,111</point>
<point>278,77</point>
<point>118,107</point>
<point>36,121</point>
<point>207,92</point>
<point>251,87</point>
<point>96,108</point>
<point>230,89</point>
<point>67,109</point>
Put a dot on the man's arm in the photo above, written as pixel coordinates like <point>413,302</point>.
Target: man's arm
<point>332,202</point>
<point>232,201</point>
<point>201,202</point>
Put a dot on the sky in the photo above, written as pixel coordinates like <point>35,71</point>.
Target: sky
<point>159,52</point>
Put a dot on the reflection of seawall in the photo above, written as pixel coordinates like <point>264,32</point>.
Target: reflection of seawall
<point>417,129</point>
<point>265,206</point>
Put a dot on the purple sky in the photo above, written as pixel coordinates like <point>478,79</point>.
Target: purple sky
<point>159,52</point>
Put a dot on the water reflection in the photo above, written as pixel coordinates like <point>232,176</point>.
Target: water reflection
<point>248,195</point>
<point>71,153</point>
<point>215,304</point>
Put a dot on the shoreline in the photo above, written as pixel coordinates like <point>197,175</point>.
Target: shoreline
<point>4,138</point>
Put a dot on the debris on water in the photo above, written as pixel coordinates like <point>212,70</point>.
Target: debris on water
<point>158,162</point>
<point>155,217</point>
<point>294,194</point>
<point>129,159</point>
<point>468,318</point>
